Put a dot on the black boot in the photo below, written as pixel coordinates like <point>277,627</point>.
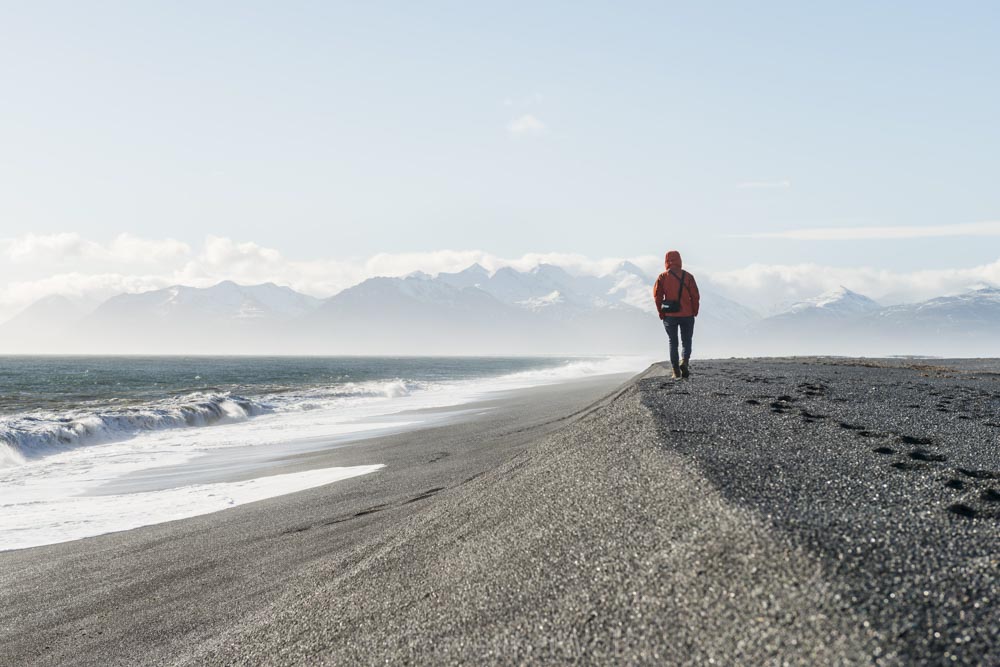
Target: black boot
<point>684,369</point>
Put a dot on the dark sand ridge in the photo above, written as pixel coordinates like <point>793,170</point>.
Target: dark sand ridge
<point>763,512</point>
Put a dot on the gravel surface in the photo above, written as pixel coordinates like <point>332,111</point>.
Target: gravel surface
<point>594,545</point>
<point>763,512</point>
<point>889,472</point>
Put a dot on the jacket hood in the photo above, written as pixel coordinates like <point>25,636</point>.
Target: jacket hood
<point>673,260</point>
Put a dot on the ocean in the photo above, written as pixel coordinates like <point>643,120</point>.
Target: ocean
<point>75,430</point>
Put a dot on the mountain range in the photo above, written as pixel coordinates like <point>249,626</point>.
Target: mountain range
<point>847,323</point>
<point>545,310</point>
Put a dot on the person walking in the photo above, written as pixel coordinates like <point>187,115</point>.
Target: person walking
<point>677,301</point>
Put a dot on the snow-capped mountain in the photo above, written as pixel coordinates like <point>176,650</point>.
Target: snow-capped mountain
<point>966,324</point>
<point>553,298</point>
<point>417,314</point>
<point>844,322</point>
<point>531,287</point>
<point>414,295</point>
<point>960,325</point>
<point>474,276</point>
<point>545,310</point>
<point>544,284</point>
<point>223,318</point>
<point>824,324</point>
<point>472,311</point>
<point>628,268</point>
<point>978,307</point>
<point>840,302</point>
<point>224,301</point>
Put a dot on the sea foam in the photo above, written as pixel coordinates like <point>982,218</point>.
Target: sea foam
<point>84,516</point>
<point>32,435</point>
<point>28,436</point>
<point>70,474</point>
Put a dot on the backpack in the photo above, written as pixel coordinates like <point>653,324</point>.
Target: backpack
<point>675,306</point>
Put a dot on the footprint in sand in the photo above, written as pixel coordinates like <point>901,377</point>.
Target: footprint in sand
<point>930,457</point>
<point>811,417</point>
<point>812,389</point>
<point>979,474</point>
<point>850,427</point>
<point>914,440</point>
<point>962,509</point>
<point>989,496</point>
<point>781,404</point>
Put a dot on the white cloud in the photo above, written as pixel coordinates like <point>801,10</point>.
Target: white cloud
<point>16,295</point>
<point>764,285</point>
<point>526,124</point>
<point>128,248</point>
<point>35,247</point>
<point>52,249</point>
<point>988,228</point>
<point>764,185</point>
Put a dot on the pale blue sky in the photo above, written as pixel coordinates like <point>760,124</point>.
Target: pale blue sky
<point>328,130</point>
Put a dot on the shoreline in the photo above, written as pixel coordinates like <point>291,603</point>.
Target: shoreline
<point>749,515</point>
<point>302,454</point>
<point>197,476</point>
<point>223,567</point>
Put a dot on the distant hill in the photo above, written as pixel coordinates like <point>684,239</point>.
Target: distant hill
<point>224,301</point>
<point>545,310</point>
<point>840,302</point>
<point>966,324</point>
<point>44,323</point>
<point>224,318</point>
<point>848,323</point>
<point>471,312</point>
<point>967,312</point>
<point>405,315</point>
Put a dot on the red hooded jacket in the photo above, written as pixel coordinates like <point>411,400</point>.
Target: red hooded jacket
<point>668,284</point>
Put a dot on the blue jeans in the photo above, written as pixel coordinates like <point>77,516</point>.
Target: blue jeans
<point>686,326</point>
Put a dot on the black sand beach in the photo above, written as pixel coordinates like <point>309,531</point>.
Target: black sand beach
<point>763,512</point>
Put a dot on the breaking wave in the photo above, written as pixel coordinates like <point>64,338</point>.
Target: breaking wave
<point>349,391</point>
<point>27,436</point>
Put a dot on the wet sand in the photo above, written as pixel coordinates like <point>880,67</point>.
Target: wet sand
<point>763,512</point>
<point>156,594</point>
